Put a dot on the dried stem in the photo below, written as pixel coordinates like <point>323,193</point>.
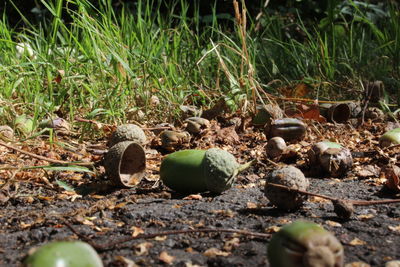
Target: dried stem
<point>351,201</point>
<point>55,161</point>
<point>112,245</point>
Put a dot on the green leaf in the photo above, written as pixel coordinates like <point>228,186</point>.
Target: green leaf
<point>64,185</point>
<point>72,168</point>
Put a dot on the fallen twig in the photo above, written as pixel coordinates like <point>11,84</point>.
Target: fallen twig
<point>111,245</point>
<point>350,201</point>
<point>55,161</point>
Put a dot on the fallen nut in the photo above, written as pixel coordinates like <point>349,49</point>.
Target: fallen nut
<point>171,140</point>
<point>336,161</point>
<point>195,125</point>
<point>317,149</point>
<point>392,174</point>
<point>291,177</point>
<point>288,128</point>
<point>275,147</point>
<point>391,137</point>
<point>304,244</point>
<point>6,133</point>
<point>343,209</point>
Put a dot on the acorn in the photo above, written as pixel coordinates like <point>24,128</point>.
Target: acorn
<point>171,140</point>
<point>305,244</point>
<point>336,161</point>
<point>195,171</point>
<point>195,125</point>
<point>128,132</point>
<point>24,124</point>
<point>6,133</point>
<point>389,138</point>
<point>289,129</point>
<point>64,253</point>
<point>317,149</point>
<point>291,177</point>
<point>275,147</point>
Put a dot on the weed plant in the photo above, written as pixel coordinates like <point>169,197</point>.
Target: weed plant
<point>141,63</point>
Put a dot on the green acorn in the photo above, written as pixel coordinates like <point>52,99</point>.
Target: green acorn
<point>391,137</point>
<point>193,171</point>
<point>305,244</point>
<point>64,253</point>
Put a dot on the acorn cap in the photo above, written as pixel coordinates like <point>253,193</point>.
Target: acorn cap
<point>291,177</point>
<point>306,244</point>
<point>125,163</point>
<point>220,169</point>
<point>64,253</point>
<point>128,132</point>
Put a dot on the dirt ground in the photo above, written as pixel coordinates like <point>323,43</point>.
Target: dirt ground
<point>35,210</point>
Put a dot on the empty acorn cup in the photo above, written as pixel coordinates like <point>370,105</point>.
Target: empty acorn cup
<point>125,164</point>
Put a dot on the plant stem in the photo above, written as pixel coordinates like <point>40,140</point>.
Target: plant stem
<point>351,201</point>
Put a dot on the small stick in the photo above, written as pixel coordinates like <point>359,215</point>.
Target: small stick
<point>111,245</point>
<point>55,161</point>
<point>310,100</point>
<point>350,201</point>
<point>110,125</point>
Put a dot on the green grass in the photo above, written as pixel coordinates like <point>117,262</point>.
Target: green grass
<point>109,66</point>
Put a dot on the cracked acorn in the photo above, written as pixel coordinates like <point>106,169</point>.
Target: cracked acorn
<point>305,244</point>
<point>331,158</point>
<point>6,133</point>
<point>291,177</point>
<point>64,253</point>
<point>195,171</point>
<point>171,140</point>
<point>196,125</point>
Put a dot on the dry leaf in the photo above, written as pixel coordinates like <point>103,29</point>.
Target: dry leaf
<point>357,242</point>
<point>251,205</point>
<point>190,264</point>
<point>365,216</point>
<point>230,244</point>
<point>160,238</point>
<point>333,224</point>
<point>193,197</point>
<point>228,135</point>
<point>136,231</point>
<point>214,252</point>
<point>301,90</point>
<point>143,248</point>
<point>272,229</point>
<point>225,213</point>
<point>166,258</point>
<point>357,264</point>
<point>394,228</point>
<point>127,262</point>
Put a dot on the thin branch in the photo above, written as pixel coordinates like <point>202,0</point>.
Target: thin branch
<point>350,201</point>
<point>55,161</point>
<point>111,245</point>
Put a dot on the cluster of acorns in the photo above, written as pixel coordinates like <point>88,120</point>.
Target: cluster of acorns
<point>300,243</point>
